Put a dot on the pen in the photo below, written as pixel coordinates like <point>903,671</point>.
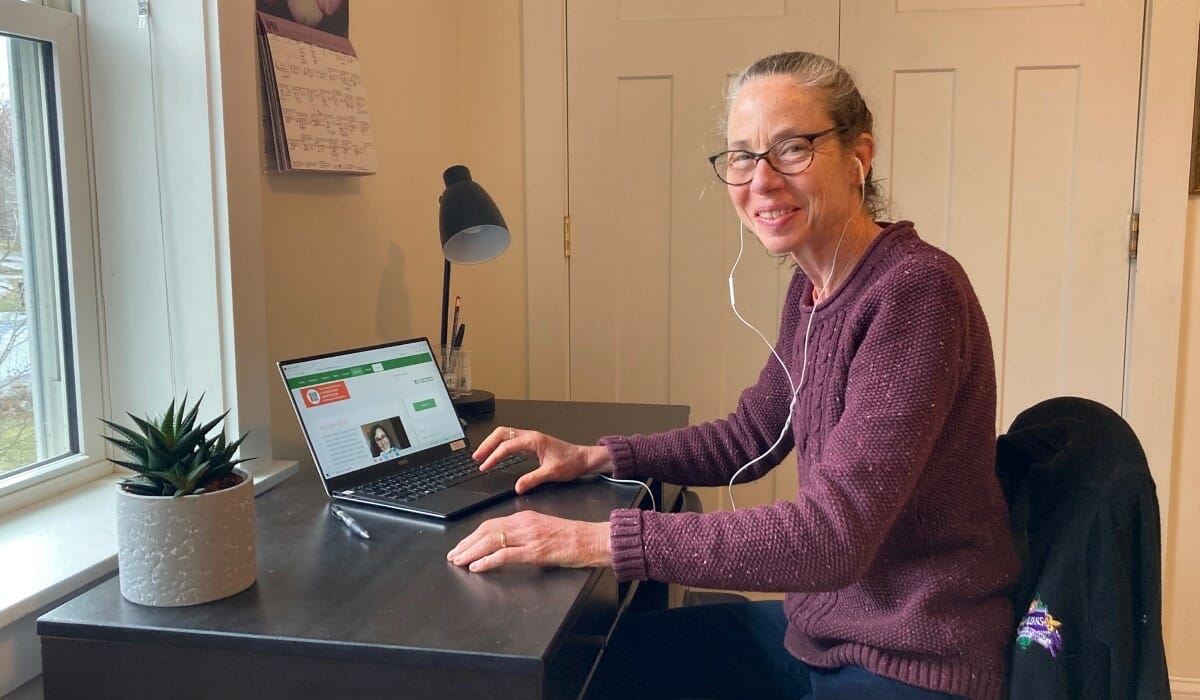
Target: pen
<point>349,522</point>
<point>456,344</point>
<point>454,325</point>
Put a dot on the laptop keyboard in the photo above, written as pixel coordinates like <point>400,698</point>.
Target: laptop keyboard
<point>435,476</point>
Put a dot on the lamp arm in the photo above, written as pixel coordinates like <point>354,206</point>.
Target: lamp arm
<point>445,299</point>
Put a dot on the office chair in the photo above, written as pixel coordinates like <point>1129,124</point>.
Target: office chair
<point>1088,604</point>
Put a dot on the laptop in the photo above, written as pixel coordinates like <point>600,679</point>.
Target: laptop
<point>382,431</point>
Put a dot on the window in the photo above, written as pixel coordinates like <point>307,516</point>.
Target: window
<point>47,278</point>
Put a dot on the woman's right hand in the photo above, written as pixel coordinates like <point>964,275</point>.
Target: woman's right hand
<point>557,460</point>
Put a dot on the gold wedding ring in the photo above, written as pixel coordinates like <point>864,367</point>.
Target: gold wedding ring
<point>503,541</point>
<point>511,433</point>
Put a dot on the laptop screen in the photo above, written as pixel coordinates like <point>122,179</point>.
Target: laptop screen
<point>363,407</point>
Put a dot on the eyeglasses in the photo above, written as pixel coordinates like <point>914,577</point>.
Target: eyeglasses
<point>789,156</point>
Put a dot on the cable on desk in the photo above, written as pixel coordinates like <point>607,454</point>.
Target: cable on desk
<point>634,482</point>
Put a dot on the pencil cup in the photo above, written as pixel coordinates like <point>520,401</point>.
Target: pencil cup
<point>456,370</point>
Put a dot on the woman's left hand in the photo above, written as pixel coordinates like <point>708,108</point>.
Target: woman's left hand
<point>529,537</point>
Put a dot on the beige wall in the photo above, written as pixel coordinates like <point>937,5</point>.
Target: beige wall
<point>356,261</point>
<point>489,97</point>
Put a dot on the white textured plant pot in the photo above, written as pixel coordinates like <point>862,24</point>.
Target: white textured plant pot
<point>186,550</point>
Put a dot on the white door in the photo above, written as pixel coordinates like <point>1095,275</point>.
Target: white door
<point>652,233</point>
<point>1007,134</point>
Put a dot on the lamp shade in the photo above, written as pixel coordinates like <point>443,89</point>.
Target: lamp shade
<point>472,229</point>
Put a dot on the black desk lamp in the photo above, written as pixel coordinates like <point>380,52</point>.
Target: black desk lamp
<point>473,231</point>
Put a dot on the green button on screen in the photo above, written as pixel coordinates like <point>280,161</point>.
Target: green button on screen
<point>422,405</point>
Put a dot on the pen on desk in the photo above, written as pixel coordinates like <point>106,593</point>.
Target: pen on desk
<point>349,522</point>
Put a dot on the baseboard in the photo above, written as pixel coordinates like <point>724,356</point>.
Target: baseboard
<point>1185,688</point>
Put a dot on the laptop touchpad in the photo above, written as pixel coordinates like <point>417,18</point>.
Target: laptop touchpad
<point>492,482</point>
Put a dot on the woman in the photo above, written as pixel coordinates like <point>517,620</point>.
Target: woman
<point>382,448</point>
<point>895,554</point>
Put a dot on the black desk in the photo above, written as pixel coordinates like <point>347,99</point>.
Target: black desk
<point>335,616</point>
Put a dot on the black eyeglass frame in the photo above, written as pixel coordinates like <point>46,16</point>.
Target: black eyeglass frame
<point>811,138</point>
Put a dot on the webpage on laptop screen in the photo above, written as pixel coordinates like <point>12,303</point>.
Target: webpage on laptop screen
<point>371,406</point>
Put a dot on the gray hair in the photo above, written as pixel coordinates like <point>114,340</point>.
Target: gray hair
<point>844,102</point>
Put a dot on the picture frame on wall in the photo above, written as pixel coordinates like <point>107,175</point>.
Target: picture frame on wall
<point>332,16</point>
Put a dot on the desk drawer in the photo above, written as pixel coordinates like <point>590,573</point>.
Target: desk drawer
<point>570,666</point>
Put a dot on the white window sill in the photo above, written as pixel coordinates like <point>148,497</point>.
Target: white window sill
<point>68,541</point>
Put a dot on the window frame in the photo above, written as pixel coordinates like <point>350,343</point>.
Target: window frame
<point>62,30</point>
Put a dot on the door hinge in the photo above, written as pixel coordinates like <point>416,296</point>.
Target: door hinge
<point>566,236</point>
<point>1133,235</point>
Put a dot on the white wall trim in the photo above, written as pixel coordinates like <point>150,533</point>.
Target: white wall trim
<point>237,200</point>
<point>544,54</point>
<point>1152,381</point>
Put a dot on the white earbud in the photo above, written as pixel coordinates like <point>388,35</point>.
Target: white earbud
<point>862,176</point>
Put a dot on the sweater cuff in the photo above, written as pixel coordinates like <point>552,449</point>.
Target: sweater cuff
<point>621,453</point>
<point>625,539</point>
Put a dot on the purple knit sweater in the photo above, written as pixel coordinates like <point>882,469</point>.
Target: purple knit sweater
<point>895,554</point>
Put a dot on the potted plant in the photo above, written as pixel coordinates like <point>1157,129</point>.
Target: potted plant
<point>185,519</point>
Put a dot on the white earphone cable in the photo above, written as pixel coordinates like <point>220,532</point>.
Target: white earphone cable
<point>795,386</point>
<point>634,482</point>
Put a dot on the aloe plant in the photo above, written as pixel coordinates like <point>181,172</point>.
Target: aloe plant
<point>172,455</point>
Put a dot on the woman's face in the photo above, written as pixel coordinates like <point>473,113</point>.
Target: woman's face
<point>381,440</point>
<point>801,215</point>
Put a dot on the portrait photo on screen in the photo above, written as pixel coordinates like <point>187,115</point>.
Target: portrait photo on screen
<point>386,438</point>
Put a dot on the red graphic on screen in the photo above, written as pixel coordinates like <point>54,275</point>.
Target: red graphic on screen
<point>324,393</point>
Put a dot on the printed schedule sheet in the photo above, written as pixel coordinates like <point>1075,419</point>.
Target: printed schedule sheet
<point>315,101</point>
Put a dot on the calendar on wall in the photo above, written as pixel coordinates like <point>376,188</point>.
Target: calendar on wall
<point>314,101</point>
